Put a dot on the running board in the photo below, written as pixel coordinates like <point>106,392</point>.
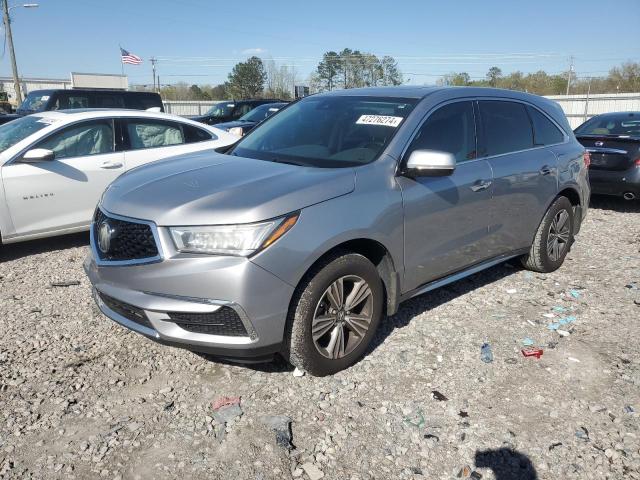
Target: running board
<point>460,275</point>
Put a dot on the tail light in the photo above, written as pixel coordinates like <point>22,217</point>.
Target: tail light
<point>587,159</point>
<point>637,162</point>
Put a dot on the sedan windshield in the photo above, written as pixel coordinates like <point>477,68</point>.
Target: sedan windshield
<point>332,131</point>
<point>259,113</point>
<point>19,129</point>
<point>622,125</point>
<point>221,110</point>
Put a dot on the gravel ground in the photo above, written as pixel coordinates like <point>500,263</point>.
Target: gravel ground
<point>81,397</point>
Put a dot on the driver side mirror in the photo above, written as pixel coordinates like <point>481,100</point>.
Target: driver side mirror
<point>36,155</point>
<point>430,163</point>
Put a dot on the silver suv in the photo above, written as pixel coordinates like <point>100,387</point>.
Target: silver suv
<point>302,236</point>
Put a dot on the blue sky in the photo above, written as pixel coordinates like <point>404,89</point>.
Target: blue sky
<point>199,41</point>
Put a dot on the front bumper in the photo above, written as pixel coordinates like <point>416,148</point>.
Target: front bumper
<point>610,182</point>
<point>193,285</point>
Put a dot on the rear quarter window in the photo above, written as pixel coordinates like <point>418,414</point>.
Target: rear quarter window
<point>544,131</point>
<point>194,134</point>
<point>507,127</point>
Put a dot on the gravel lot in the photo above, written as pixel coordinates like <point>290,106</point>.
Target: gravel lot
<point>81,397</point>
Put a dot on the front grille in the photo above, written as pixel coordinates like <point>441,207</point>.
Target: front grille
<point>128,241</point>
<point>224,321</point>
<point>129,312</point>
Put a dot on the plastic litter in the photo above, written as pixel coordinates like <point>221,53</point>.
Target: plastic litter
<point>632,286</point>
<point>629,409</point>
<point>486,355</point>
<point>527,342</point>
<point>563,333</point>
<point>575,293</point>
<point>511,290</point>
<point>573,359</point>
<point>559,309</point>
<point>226,409</point>
<point>561,322</point>
<point>532,352</point>
<point>439,396</point>
<point>281,424</point>
<point>415,419</point>
<point>583,434</point>
<point>298,373</point>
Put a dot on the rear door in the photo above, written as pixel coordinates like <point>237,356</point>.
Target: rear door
<point>446,218</point>
<point>525,174</point>
<point>63,193</point>
<point>148,139</point>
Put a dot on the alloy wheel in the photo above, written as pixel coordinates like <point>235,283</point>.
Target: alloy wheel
<point>559,233</point>
<point>342,317</point>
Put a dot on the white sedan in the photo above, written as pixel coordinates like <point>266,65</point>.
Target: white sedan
<point>54,166</point>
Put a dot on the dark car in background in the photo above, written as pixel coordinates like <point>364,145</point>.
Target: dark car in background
<point>229,111</point>
<point>613,140</point>
<point>45,100</point>
<point>244,124</point>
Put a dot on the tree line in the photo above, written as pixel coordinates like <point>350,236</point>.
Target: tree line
<point>622,79</point>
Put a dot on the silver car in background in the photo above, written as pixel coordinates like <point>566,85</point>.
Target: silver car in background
<point>321,221</point>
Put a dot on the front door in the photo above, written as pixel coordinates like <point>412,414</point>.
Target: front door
<point>63,193</point>
<point>446,218</point>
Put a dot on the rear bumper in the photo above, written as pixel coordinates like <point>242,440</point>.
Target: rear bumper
<point>608,182</point>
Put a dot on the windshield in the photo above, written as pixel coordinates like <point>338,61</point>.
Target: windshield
<point>332,131</point>
<point>259,113</point>
<point>623,125</point>
<point>35,102</point>
<point>19,129</point>
<point>221,110</point>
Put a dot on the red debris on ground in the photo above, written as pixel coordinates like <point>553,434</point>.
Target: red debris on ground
<point>532,352</point>
<point>225,402</point>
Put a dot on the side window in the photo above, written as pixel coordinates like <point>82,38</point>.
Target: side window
<point>108,101</point>
<point>153,133</point>
<point>70,101</point>
<point>242,110</point>
<point>507,127</point>
<point>449,129</point>
<point>194,134</point>
<point>544,131</point>
<point>88,138</point>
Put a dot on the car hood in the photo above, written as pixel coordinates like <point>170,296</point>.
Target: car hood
<point>211,189</point>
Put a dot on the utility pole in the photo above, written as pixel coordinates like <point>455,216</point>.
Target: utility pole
<point>570,74</point>
<point>153,61</point>
<point>12,53</point>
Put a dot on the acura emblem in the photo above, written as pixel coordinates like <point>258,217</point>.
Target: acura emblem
<point>599,144</point>
<point>105,232</point>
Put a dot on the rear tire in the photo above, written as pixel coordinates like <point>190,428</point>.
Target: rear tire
<point>334,314</point>
<point>553,238</point>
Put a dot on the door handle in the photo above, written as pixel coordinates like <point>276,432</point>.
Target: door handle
<point>480,185</point>
<point>108,165</point>
<point>546,170</point>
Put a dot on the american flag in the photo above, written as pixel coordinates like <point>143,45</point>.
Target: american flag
<point>128,57</point>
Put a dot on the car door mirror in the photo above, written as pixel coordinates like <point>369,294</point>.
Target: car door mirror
<point>430,163</point>
<point>36,155</point>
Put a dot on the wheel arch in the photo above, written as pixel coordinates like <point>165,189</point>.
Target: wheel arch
<point>381,258</point>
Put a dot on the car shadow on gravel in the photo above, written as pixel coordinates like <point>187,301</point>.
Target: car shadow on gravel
<point>15,251</point>
<point>617,204</point>
<point>428,301</point>
<point>506,464</point>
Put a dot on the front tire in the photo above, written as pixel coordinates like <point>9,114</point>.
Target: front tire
<point>334,314</point>
<point>553,238</point>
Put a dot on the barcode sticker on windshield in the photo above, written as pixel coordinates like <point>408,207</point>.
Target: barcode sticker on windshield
<point>384,120</point>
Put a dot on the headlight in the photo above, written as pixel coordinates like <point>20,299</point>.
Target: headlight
<point>240,240</point>
<point>237,131</point>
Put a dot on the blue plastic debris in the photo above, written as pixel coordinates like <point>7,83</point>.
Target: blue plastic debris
<point>527,342</point>
<point>575,293</point>
<point>486,355</point>
<point>562,321</point>
<point>559,309</point>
